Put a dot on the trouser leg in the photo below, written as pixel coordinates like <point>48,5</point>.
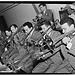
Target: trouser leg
<point>42,67</point>
<point>53,68</point>
<point>28,66</point>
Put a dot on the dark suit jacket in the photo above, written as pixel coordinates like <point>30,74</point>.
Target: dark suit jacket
<point>48,15</point>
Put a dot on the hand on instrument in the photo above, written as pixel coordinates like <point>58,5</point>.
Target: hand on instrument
<point>66,40</point>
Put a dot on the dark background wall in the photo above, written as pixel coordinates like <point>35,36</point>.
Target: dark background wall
<point>3,24</point>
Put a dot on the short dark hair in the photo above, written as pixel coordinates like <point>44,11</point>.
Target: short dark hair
<point>43,4</point>
<point>8,29</point>
<point>29,24</point>
<point>67,20</point>
<point>13,25</point>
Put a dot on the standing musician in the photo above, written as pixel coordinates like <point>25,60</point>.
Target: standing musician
<point>8,33</point>
<point>46,14</point>
<point>43,66</point>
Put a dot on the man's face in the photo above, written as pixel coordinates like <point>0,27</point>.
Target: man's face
<point>42,8</point>
<point>66,28</point>
<point>44,28</point>
<point>8,33</point>
<point>13,29</point>
<point>27,29</point>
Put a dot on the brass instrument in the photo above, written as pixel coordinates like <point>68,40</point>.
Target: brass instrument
<point>55,41</point>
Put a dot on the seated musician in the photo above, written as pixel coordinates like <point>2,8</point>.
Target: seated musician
<point>3,65</point>
<point>12,50</point>
<point>68,25</point>
<point>33,36</point>
<point>23,52</point>
<point>27,26</point>
<point>14,28</point>
<point>8,33</point>
<point>67,49</point>
<point>43,66</point>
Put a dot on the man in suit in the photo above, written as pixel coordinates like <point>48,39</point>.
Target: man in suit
<point>45,14</point>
